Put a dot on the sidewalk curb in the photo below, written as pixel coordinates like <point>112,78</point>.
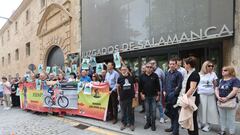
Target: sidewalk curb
<point>92,125</point>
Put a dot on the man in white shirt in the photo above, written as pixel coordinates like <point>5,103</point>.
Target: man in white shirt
<point>180,68</point>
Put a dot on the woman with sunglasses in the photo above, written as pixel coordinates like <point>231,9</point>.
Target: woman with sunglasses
<point>226,91</point>
<point>207,107</point>
<point>95,77</point>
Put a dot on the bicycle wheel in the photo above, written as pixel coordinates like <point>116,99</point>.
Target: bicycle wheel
<point>63,101</point>
<point>48,101</point>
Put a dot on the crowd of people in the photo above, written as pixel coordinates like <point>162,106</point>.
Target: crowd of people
<point>9,96</point>
<point>175,93</point>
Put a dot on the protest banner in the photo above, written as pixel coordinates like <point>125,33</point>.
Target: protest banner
<point>92,104</point>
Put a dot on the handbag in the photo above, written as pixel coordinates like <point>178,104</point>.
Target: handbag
<point>135,102</point>
<point>231,104</point>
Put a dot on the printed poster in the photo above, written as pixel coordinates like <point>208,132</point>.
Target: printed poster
<point>68,71</point>
<point>38,84</point>
<point>74,68</point>
<point>48,69</point>
<point>93,61</point>
<point>85,63</point>
<point>99,68</point>
<point>80,86</point>
<point>117,59</point>
<point>40,68</point>
<point>55,70</point>
<point>88,89</point>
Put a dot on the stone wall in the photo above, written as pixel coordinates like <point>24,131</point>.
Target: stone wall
<point>54,28</point>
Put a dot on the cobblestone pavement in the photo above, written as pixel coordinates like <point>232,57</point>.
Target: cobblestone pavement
<point>18,122</point>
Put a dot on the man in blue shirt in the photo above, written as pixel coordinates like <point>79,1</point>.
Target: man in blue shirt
<point>172,88</point>
<point>111,78</point>
<point>85,77</point>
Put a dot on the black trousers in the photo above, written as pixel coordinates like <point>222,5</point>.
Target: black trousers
<point>113,106</point>
<point>15,100</point>
<point>195,132</point>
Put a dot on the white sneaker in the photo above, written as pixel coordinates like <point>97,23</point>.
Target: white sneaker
<point>206,128</point>
<point>162,120</point>
<point>199,125</point>
<point>145,116</point>
<point>5,108</point>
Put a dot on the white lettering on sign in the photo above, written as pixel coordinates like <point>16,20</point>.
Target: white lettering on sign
<point>208,33</point>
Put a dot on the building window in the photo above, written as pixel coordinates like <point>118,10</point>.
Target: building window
<point>16,27</point>
<point>9,58</point>
<point>8,35</point>
<point>2,61</point>
<point>27,17</point>
<point>43,2</point>
<point>16,54</point>
<point>28,51</point>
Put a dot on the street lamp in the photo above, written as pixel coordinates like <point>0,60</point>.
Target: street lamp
<point>1,17</point>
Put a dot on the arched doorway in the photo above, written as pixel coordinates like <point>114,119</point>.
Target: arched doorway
<point>55,57</point>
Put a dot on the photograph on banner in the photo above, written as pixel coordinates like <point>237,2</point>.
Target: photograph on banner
<point>55,70</point>
<point>74,68</point>
<point>48,69</point>
<point>66,97</point>
<point>38,84</point>
<point>93,62</point>
<point>117,59</point>
<point>40,68</point>
<point>30,98</point>
<point>99,68</point>
<point>85,63</point>
<point>88,89</point>
<point>80,86</point>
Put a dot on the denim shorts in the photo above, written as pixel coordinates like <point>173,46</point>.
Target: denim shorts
<point>1,94</point>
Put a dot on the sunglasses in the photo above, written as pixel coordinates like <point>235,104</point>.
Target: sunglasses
<point>225,70</point>
<point>210,66</point>
<point>148,67</point>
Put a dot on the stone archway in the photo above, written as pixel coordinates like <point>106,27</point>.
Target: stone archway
<point>55,57</point>
<point>54,30</point>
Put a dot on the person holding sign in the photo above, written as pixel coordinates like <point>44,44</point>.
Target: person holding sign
<point>126,93</point>
<point>111,78</point>
<point>15,98</point>
<point>73,77</point>
<point>85,77</point>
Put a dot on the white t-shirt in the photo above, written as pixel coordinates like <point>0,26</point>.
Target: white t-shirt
<point>182,71</point>
<point>206,85</point>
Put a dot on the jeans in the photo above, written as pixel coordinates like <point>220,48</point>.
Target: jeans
<point>127,112</point>
<point>227,117</point>
<point>174,121</point>
<point>150,108</point>
<point>160,107</point>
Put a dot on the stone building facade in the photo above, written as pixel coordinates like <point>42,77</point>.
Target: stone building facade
<point>34,29</point>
